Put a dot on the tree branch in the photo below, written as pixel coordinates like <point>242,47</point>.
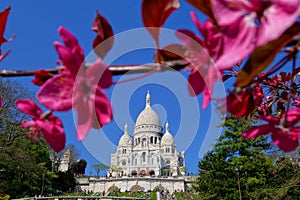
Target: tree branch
<point>176,65</point>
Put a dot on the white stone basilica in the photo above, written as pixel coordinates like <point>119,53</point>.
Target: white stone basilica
<point>149,152</point>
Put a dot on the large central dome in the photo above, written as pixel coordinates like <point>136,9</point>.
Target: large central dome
<point>148,119</point>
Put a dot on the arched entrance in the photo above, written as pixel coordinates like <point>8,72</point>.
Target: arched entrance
<point>113,189</point>
<point>152,172</point>
<point>136,188</point>
<point>143,173</point>
<point>158,188</point>
<point>133,173</point>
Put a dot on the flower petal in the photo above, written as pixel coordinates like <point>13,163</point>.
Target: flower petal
<point>41,76</point>
<point>241,104</point>
<point>284,141</point>
<point>3,19</point>
<point>258,131</point>
<point>56,93</point>
<point>295,132</point>
<point>99,72</point>
<point>238,42</point>
<point>85,117</point>
<point>28,123</point>
<point>155,13</point>
<point>28,107</point>
<point>226,11</point>
<point>53,133</point>
<point>284,12</point>
<point>104,40</point>
<point>196,83</point>
<point>72,60</point>
<point>68,38</point>
<point>293,116</point>
<point>103,107</point>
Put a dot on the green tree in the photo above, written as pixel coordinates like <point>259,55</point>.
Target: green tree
<point>284,178</point>
<point>235,167</point>
<point>24,164</point>
<point>78,168</point>
<point>64,182</point>
<point>99,167</point>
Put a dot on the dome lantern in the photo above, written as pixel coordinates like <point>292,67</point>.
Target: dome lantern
<point>125,140</point>
<point>148,99</point>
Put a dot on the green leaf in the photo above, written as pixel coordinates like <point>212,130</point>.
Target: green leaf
<point>263,56</point>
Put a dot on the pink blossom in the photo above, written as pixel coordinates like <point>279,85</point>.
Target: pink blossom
<point>79,87</point>
<point>41,76</point>
<point>269,98</point>
<point>296,102</point>
<point>284,132</point>
<point>264,109</point>
<point>56,93</point>
<point>259,95</point>
<point>71,53</point>
<point>241,104</point>
<point>203,73</point>
<point>210,56</point>
<point>226,50</point>
<point>260,19</point>
<point>47,124</point>
<point>89,100</point>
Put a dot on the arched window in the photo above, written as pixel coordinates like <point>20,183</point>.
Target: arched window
<point>167,150</point>
<point>143,157</point>
<point>167,164</point>
<point>124,151</point>
<point>144,142</point>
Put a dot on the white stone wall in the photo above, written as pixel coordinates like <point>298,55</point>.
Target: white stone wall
<point>125,183</point>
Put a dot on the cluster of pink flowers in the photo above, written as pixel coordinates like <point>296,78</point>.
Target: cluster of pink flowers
<point>284,130</point>
<point>42,123</point>
<point>233,32</point>
<point>76,86</point>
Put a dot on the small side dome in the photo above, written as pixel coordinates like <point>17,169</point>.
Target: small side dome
<point>167,139</point>
<point>125,140</point>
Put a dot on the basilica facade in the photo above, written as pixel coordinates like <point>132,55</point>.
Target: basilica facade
<point>150,152</point>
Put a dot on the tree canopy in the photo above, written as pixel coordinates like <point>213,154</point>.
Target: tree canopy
<point>236,166</point>
<point>239,168</point>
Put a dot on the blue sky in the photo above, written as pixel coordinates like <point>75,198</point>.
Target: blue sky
<point>35,24</point>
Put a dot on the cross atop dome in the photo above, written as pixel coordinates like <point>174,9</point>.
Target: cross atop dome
<point>167,127</point>
<point>126,129</point>
<point>148,99</point>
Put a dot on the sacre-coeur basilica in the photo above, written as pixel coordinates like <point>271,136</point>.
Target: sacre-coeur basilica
<point>146,159</point>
